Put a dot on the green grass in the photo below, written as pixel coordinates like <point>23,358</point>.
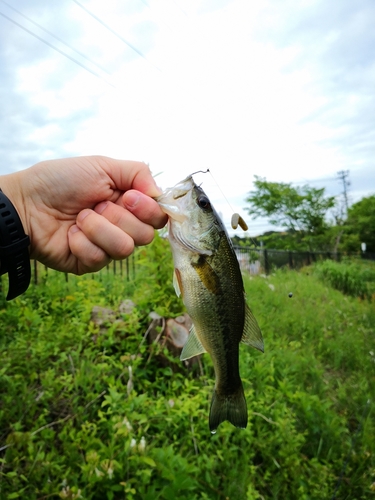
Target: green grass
<point>320,345</point>
<point>355,278</point>
<point>70,427</point>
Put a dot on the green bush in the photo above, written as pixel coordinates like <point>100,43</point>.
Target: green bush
<point>95,415</point>
<point>353,278</point>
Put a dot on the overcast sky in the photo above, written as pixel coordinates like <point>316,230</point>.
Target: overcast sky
<point>284,89</point>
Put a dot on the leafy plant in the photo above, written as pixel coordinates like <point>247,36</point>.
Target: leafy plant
<point>90,413</point>
<point>301,211</point>
<point>350,277</point>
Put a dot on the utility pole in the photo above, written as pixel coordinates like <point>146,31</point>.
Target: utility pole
<point>342,175</point>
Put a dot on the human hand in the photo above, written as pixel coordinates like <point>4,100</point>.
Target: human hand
<point>80,213</point>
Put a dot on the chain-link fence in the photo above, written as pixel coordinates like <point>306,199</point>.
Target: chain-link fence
<point>262,260</point>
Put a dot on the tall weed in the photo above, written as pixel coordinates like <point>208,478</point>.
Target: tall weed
<point>353,278</point>
<point>94,415</point>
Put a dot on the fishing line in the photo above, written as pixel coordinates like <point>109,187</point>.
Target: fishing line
<point>257,246</point>
<point>221,191</point>
<point>240,221</point>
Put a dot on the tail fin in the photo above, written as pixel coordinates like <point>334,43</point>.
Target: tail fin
<point>232,408</point>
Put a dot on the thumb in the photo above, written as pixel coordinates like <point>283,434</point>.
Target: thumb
<point>128,174</point>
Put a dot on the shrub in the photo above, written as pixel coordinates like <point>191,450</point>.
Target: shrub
<point>94,415</point>
<point>350,277</point>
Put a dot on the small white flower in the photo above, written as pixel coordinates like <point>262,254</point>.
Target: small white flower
<point>98,472</point>
<point>127,424</point>
<point>272,287</point>
<point>64,493</point>
<point>142,444</point>
<point>133,442</point>
<point>130,384</point>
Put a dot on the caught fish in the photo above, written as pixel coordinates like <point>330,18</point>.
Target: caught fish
<point>208,278</point>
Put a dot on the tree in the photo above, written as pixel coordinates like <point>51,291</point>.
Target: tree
<point>360,225</point>
<point>302,210</point>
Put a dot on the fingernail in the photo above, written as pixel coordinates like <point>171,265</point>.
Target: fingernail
<point>101,207</point>
<point>82,215</point>
<point>131,199</point>
<point>74,229</point>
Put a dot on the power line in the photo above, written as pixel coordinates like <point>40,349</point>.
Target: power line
<point>115,33</point>
<point>56,37</point>
<point>55,48</point>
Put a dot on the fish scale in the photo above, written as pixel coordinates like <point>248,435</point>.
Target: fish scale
<point>208,278</point>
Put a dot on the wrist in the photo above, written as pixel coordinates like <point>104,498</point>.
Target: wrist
<point>14,243</point>
<point>12,186</point>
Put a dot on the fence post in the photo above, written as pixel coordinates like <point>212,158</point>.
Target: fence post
<point>290,257</point>
<point>266,263</point>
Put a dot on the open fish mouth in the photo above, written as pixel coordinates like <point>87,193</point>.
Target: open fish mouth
<point>167,200</point>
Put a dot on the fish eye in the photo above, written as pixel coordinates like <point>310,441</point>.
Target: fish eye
<point>203,202</point>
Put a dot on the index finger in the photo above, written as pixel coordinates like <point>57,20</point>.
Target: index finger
<point>128,174</point>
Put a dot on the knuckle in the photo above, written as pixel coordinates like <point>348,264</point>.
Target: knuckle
<point>147,236</point>
<point>96,259</point>
<point>123,249</point>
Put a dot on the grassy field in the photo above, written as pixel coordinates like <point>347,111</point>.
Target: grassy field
<point>93,414</point>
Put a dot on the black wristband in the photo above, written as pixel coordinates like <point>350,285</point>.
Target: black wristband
<point>14,253</point>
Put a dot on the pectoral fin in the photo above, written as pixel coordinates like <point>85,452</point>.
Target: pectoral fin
<point>251,333</point>
<point>193,346</point>
<point>177,283</point>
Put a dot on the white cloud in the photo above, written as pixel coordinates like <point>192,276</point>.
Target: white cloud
<point>266,87</point>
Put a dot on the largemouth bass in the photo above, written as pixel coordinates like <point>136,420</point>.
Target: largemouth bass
<point>208,278</point>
